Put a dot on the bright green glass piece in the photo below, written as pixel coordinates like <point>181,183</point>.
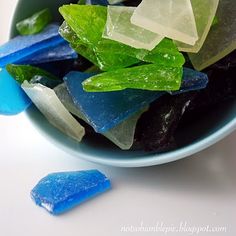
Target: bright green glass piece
<point>34,24</point>
<point>87,24</point>
<point>149,77</point>
<point>26,72</point>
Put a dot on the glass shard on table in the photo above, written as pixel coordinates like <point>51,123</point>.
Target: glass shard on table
<point>35,23</point>
<point>170,18</point>
<point>221,39</point>
<point>48,103</point>
<point>105,110</point>
<point>23,46</point>
<point>204,12</point>
<point>60,52</point>
<point>148,77</point>
<point>62,191</point>
<point>119,28</point>
<point>122,135</point>
<point>13,99</point>
<point>26,72</point>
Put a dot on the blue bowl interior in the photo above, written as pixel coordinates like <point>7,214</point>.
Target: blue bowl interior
<point>191,137</point>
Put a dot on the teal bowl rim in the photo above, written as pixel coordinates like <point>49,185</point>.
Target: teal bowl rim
<point>140,161</point>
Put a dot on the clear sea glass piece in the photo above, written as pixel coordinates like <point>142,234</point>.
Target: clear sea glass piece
<point>60,192</point>
<point>115,1</point>
<point>13,99</point>
<point>119,28</point>
<point>22,46</point>
<point>51,107</point>
<point>122,135</point>
<point>221,39</point>
<point>204,12</point>
<point>170,18</point>
<point>60,52</point>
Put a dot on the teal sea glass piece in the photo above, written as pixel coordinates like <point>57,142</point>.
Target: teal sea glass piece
<point>60,192</point>
<point>34,24</point>
<point>13,99</point>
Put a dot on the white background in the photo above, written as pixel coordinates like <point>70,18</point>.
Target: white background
<point>199,190</point>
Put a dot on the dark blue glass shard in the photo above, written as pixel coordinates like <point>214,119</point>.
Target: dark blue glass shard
<point>100,2</point>
<point>13,99</point>
<point>60,192</point>
<point>192,80</point>
<point>50,83</point>
<point>23,46</point>
<point>105,110</point>
<point>60,52</point>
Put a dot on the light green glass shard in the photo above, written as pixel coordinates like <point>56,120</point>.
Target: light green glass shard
<point>148,77</point>
<point>121,135</point>
<point>26,72</point>
<point>204,12</point>
<point>221,39</point>
<point>170,18</point>
<point>35,23</point>
<point>48,103</point>
<point>119,28</point>
<point>109,54</point>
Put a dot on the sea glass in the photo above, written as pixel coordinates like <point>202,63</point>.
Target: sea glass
<point>62,191</point>
<point>149,77</point>
<point>221,39</point>
<point>22,46</point>
<point>26,72</point>
<point>204,12</point>
<point>122,135</point>
<point>61,52</point>
<point>34,24</point>
<point>169,18</point>
<point>105,110</point>
<point>155,129</point>
<point>119,28</point>
<point>115,1</point>
<point>13,100</point>
<point>48,103</point>
<point>50,83</point>
<point>88,41</point>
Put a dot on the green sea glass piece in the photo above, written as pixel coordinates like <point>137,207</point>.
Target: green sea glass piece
<point>149,77</point>
<point>170,18</point>
<point>26,72</point>
<point>51,107</point>
<point>221,39</point>
<point>34,24</point>
<point>85,36</point>
<point>204,12</point>
<point>120,29</point>
<point>121,135</point>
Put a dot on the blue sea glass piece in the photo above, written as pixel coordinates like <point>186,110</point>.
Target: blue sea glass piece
<point>105,110</point>
<point>23,46</point>
<point>60,192</point>
<point>13,99</point>
<point>60,52</point>
<point>192,80</point>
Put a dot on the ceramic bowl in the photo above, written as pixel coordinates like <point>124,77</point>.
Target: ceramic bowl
<point>192,138</point>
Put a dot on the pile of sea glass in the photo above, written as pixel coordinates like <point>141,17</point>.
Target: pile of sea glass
<point>128,70</point>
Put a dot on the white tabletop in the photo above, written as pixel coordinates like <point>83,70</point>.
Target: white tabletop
<point>198,192</point>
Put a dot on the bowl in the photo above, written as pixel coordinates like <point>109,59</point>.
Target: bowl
<point>192,138</point>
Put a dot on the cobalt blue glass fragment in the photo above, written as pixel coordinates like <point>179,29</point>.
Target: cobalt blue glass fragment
<point>105,110</point>
<point>192,80</point>
<point>13,99</point>
<point>60,192</point>
<point>60,52</point>
<point>23,46</point>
